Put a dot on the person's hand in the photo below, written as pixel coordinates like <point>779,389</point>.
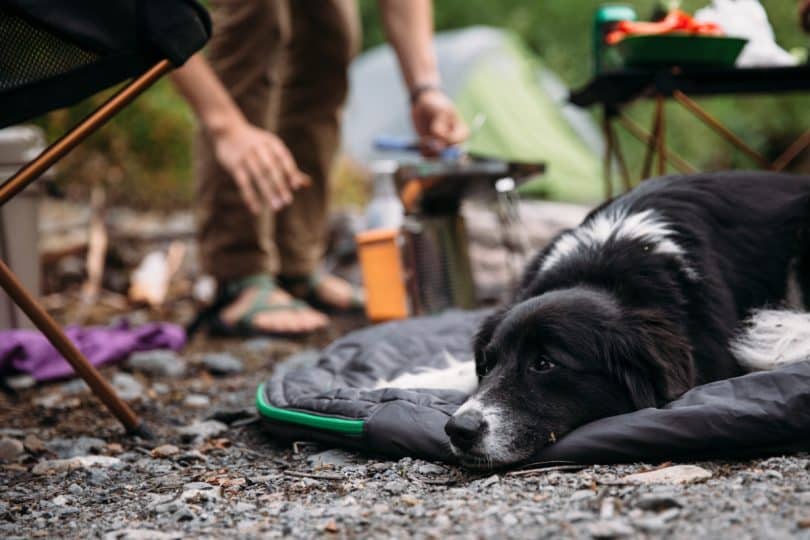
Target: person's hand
<point>260,164</point>
<point>804,15</point>
<point>437,122</point>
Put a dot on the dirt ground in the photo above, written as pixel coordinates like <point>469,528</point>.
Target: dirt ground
<point>227,478</point>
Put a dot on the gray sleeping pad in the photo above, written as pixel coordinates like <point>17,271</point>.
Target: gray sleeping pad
<point>332,399</point>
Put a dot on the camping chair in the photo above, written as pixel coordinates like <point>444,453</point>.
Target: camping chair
<point>55,53</point>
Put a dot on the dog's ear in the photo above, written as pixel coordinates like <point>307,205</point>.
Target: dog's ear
<point>655,363</point>
<point>483,363</point>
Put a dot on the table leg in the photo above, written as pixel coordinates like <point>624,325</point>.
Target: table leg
<point>792,152</point>
<point>718,127</point>
<point>644,136</point>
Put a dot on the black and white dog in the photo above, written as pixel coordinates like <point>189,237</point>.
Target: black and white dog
<point>682,281</point>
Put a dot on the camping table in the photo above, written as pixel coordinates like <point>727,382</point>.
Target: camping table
<point>615,90</point>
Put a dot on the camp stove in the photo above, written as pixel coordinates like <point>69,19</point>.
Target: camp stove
<point>423,266</point>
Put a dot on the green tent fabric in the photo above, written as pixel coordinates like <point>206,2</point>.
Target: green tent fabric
<point>491,72</point>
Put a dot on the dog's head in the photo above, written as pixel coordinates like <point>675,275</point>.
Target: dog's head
<point>556,361</point>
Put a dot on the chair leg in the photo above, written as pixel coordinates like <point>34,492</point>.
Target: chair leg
<point>51,330</point>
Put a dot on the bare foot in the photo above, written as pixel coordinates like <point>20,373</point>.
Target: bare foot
<point>276,319</point>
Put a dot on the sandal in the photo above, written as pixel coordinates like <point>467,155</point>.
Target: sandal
<point>307,288</point>
<point>244,326</point>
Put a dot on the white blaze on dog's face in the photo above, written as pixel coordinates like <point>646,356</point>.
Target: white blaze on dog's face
<point>546,366</point>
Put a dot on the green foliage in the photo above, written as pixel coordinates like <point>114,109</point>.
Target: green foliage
<point>144,154</point>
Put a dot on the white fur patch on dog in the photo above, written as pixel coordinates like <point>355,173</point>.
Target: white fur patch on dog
<point>645,226</point>
<point>772,338</point>
<point>456,375</point>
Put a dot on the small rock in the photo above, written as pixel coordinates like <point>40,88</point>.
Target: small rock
<point>61,500</point>
<point>190,456</point>
<point>657,503</point>
<point>429,469</point>
<point>197,401</point>
<point>257,345</point>
<point>142,534</point>
<point>20,382</point>
<point>200,492</point>
<point>581,495</point>
<point>229,416</point>
<point>394,487</point>
<point>334,458</point>
<point>494,479</point>
<point>58,402</point>
<point>677,474</point>
<point>199,431</point>
<point>410,500</point>
<point>81,462</point>
<point>68,448</point>
<point>607,510</point>
<point>76,386</point>
<point>10,449</point>
<point>161,388</point>
<point>222,364</point>
<point>127,386</point>
<point>610,528</point>
<point>776,475</point>
<point>164,451</point>
<point>75,489</point>
<point>158,363</point>
<point>113,449</point>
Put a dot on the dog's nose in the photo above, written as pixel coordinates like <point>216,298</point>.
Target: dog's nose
<point>465,428</point>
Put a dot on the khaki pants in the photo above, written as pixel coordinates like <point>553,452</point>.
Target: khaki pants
<point>285,64</point>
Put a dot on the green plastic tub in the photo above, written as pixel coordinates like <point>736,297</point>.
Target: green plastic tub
<point>675,49</point>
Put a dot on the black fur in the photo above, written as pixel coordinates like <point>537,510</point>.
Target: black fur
<point>623,327</point>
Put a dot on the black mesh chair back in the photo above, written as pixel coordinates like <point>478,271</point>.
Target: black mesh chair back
<point>54,53</point>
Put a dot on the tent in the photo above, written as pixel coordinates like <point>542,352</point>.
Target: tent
<point>489,71</point>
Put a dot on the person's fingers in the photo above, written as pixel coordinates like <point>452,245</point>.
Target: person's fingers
<point>242,179</point>
<point>273,172</point>
<point>294,177</point>
<point>458,131</point>
<point>261,180</point>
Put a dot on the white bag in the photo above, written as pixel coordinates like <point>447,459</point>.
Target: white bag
<point>747,19</point>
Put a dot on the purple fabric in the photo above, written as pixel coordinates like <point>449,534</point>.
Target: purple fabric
<point>29,352</point>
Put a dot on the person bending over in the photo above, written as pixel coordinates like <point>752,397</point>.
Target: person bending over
<point>268,100</point>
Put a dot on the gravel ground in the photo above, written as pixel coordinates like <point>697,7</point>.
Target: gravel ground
<point>69,472</point>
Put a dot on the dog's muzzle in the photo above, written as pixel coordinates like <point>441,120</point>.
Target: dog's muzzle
<point>465,429</point>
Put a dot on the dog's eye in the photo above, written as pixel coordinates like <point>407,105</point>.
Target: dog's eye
<point>543,363</point>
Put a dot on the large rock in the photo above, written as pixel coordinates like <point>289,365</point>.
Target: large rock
<point>52,466</point>
<point>200,431</point>
<point>127,386</point>
<point>222,364</point>
<point>158,363</point>
<point>677,474</point>
<point>10,449</point>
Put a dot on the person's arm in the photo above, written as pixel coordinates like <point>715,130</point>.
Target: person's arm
<point>257,160</point>
<point>409,27</point>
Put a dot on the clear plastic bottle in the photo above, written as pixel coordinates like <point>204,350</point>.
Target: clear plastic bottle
<point>385,210</point>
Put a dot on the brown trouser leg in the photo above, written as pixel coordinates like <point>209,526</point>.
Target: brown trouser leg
<point>285,64</point>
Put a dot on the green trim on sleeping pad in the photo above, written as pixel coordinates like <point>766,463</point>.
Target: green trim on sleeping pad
<point>330,423</point>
